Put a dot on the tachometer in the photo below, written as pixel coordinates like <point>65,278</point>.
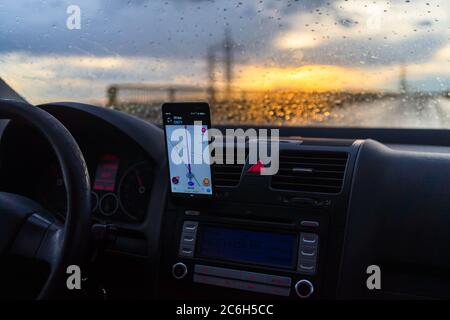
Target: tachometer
<point>134,190</point>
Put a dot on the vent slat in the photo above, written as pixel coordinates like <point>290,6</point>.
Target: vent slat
<point>312,185</point>
<point>317,172</point>
<point>311,158</point>
<point>228,175</point>
<point>316,167</point>
<point>315,162</point>
<point>326,171</point>
<point>304,178</point>
<point>227,167</point>
<point>309,188</point>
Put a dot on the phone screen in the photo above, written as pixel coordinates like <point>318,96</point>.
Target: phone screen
<point>187,143</point>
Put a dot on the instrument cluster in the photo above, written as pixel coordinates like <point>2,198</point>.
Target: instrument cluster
<point>120,188</point>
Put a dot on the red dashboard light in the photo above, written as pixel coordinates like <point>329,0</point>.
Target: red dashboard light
<point>105,177</point>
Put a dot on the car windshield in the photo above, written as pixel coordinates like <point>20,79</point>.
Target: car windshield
<point>370,63</point>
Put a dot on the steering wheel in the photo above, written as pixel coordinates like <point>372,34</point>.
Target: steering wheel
<point>27,229</point>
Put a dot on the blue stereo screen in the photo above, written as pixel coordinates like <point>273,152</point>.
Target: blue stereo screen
<point>246,246</point>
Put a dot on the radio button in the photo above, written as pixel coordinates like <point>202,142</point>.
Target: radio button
<point>304,289</point>
<point>188,239</point>
<point>243,275</point>
<point>192,213</point>
<point>309,223</point>
<point>242,285</point>
<point>307,266</point>
<point>309,238</point>
<point>190,226</point>
<point>179,270</point>
<point>308,252</point>
<point>186,251</point>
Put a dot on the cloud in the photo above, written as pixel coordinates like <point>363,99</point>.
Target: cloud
<point>443,54</point>
<point>47,78</point>
<point>304,44</point>
<point>297,41</point>
<point>368,32</point>
<point>375,52</point>
<point>155,28</point>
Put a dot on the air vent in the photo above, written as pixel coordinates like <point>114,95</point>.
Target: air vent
<point>228,175</point>
<point>310,171</point>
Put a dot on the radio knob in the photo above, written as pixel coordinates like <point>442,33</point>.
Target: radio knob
<point>304,288</point>
<point>179,270</point>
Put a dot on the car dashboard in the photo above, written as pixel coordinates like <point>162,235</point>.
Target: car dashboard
<point>121,173</point>
<point>300,234</point>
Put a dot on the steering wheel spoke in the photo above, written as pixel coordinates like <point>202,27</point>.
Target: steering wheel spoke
<point>29,230</point>
<point>39,238</point>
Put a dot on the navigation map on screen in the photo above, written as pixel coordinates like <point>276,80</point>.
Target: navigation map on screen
<point>186,129</point>
<point>192,176</point>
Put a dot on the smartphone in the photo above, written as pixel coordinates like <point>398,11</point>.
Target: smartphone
<point>187,144</point>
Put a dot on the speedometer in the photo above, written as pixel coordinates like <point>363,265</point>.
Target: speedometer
<point>134,190</point>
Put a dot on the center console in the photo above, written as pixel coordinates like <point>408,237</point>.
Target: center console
<point>263,236</point>
<point>273,256</point>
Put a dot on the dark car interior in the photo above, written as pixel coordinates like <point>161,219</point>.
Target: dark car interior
<point>224,158</point>
<point>369,197</point>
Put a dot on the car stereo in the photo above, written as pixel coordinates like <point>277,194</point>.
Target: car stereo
<point>233,256</point>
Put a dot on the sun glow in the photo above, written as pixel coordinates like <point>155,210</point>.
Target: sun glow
<point>314,78</point>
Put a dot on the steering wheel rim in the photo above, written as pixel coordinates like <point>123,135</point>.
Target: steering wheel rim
<point>72,246</point>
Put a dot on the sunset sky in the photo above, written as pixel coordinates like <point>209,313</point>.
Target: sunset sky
<point>310,45</point>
